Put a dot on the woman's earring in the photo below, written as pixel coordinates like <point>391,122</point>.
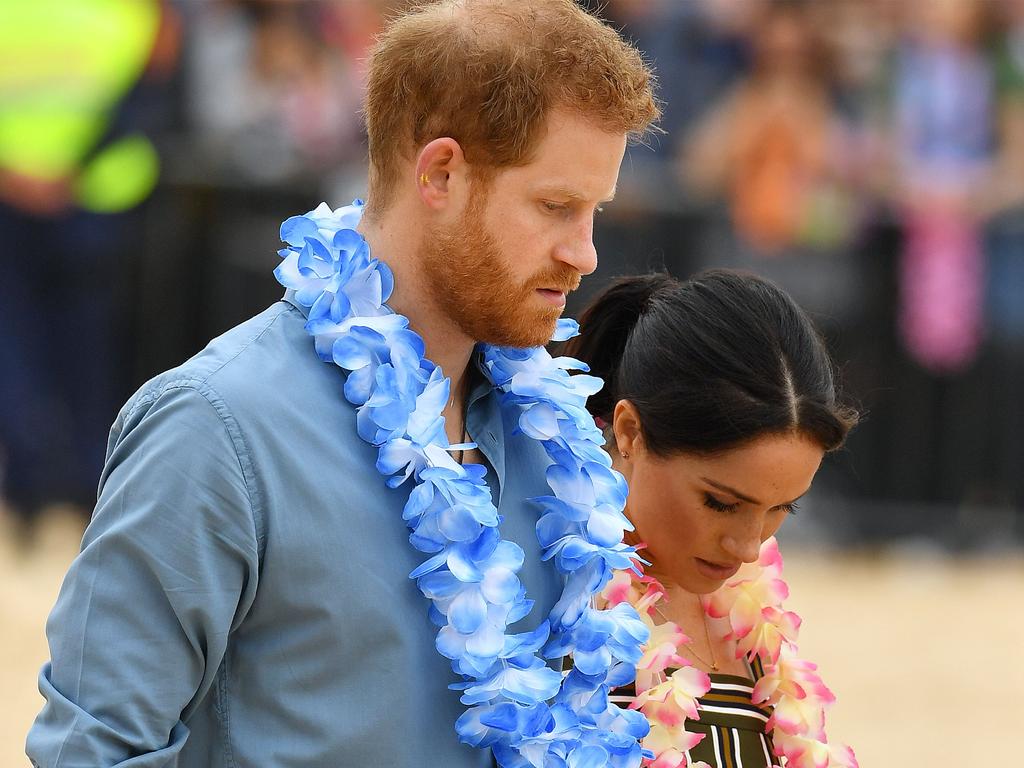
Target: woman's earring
<point>424,179</point>
<point>625,455</point>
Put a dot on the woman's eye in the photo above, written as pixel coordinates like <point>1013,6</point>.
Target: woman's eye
<point>719,506</point>
<point>790,509</point>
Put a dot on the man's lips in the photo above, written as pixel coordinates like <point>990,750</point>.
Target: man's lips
<point>553,296</point>
<point>716,570</point>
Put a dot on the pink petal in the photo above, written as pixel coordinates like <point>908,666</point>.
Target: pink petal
<point>764,688</point>
<point>667,713</point>
<point>688,741</point>
<point>842,757</point>
<point>670,758</point>
<point>744,615</point>
<point>801,752</point>
<point>770,555</point>
<point>617,590</point>
<point>798,717</point>
<point>719,603</point>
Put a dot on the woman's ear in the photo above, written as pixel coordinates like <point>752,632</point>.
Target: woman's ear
<point>627,429</point>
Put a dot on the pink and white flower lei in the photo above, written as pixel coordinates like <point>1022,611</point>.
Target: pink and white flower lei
<point>752,601</point>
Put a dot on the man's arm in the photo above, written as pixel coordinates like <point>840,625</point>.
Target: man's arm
<point>167,570</point>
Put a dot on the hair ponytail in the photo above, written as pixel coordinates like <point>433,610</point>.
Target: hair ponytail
<point>606,326</point>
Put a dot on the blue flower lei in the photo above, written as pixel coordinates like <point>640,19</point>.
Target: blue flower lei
<point>525,711</point>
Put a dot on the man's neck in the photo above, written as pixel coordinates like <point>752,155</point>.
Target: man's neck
<point>446,345</point>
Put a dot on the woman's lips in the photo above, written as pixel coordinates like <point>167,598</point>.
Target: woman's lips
<point>557,298</point>
<point>715,570</point>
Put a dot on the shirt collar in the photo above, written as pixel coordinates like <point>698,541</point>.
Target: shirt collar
<point>483,413</point>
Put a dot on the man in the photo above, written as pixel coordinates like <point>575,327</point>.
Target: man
<point>242,595</point>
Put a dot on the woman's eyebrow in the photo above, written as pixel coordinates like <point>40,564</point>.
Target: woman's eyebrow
<point>727,489</point>
<point>744,497</point>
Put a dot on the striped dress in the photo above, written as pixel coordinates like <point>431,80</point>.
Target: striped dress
<point>733,726</point>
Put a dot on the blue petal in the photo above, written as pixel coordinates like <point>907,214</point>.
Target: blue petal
<point>621,674</point>
<point>604,530</point>
<point>487,642</point>
<point>458,524</point>
<point>483,726</point>
<point>348,240</point>
<point>592,662</point>
<point>437,618</point>
<point>565,329</point>
<point>539,422</point>
<point>296,229</point>
<point>468,610</point>
<point>500,585</point>
<point>450,643</point>
<point>429,565</point>
<point>588,757</point>
<point>505,554</point>
<point>463,568</point>
<point>527,642</point>
<point>387,281</point>
<point>440,584</point>
<point>530,686</point>
<point>355,349</point>
<point>358,384</point>
<point>521,608</point>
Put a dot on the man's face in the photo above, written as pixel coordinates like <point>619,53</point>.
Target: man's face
<point>503,270</point>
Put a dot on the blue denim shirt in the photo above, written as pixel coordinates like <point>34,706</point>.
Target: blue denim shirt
<point>242,594</point>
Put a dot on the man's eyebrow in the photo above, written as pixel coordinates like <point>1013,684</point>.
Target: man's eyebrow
<point>560,191</point>
<point>744,497</point>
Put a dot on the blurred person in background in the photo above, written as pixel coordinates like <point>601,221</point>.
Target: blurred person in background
<point>268,97</point>
<point>770,146</point>
<point>943,93</point>
<point>1005,233</point>
<point>73,166</point>
<point>243,592</point>
<point>274,88</point>
<point>701,47</point>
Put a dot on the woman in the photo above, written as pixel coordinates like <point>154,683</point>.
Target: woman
<point>719,404</point>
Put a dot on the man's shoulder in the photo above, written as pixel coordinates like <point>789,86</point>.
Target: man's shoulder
<point>249,365</point>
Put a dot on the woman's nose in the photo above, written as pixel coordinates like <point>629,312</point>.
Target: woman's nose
<point>745,546</point>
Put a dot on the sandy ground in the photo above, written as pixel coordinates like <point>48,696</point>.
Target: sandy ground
<point>924,652</point>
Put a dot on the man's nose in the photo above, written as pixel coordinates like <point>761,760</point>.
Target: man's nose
<point>579,252</point>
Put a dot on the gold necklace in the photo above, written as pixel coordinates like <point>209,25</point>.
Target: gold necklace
<point>707,634</point>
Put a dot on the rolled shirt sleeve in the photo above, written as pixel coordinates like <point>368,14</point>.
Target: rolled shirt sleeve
<point>168,568</point>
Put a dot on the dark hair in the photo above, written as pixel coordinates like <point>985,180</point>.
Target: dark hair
<point>711,362</point>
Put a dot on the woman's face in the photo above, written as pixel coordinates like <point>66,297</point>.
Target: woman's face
<point>702,517</point>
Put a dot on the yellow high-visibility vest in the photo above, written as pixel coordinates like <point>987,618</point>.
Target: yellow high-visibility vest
<point>64,65</point>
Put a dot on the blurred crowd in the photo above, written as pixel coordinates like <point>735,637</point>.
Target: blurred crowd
<point>867,154</point>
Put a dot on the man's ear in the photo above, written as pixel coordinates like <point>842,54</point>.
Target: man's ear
<point>442,174</point>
